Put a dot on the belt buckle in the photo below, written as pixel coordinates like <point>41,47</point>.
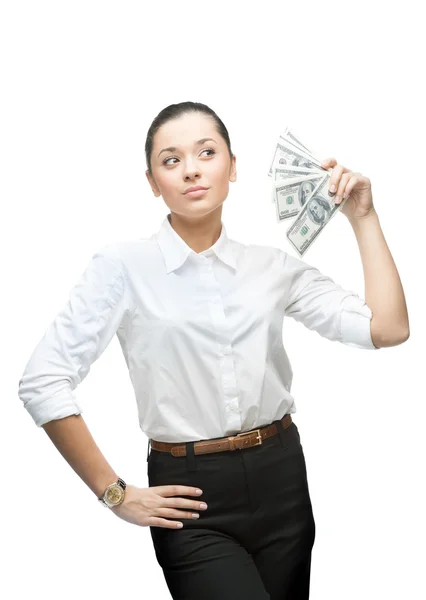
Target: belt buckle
<point>259,437</point>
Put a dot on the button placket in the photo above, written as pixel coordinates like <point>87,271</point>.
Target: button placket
<point>227,365</point>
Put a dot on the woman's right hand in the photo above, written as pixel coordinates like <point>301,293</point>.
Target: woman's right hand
<point>149,507</point>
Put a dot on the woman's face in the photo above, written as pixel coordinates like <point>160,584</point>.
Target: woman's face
<point>191,163</point>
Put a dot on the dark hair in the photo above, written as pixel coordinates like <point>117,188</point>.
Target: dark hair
<point>173,111</point>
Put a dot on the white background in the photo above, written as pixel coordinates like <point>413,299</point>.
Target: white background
<point>81,83</point>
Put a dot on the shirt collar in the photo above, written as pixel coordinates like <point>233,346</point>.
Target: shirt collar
<point>175,250</point>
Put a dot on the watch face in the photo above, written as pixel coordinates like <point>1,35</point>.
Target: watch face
<point>114,494</point>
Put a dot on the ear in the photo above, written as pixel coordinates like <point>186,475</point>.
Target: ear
<point>233,169</point>
<point>153,185</point>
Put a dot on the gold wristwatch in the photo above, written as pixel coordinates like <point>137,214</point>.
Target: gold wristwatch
<point>113,494</point>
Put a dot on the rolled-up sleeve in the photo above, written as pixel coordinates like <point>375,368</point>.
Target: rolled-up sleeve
<point>322,305</point>
<point>75,339</point>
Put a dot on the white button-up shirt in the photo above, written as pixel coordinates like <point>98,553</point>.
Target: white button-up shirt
<point>201,333</point>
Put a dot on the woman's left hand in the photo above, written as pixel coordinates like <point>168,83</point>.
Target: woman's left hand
<point>360,203</point>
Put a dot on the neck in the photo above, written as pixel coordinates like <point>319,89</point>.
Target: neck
<point>199,234</point>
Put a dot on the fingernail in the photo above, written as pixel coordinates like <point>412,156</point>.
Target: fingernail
<point>198,492</point>
<point>336,200</point>
<point>195,516</point>
<point>203,505</point>
<point>179,525</point>
<point>333,188</point>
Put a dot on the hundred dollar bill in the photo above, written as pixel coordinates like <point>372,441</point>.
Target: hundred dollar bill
<point>318,210</point>
<point>292,137</point>
<point>291,195</point>
<point>285,173</point>
<point>288,155</point>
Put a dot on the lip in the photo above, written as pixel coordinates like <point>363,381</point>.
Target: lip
<point>197,193</point>
<point>195,189</point>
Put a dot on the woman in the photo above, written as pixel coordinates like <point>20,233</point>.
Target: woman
<point>199,317</point>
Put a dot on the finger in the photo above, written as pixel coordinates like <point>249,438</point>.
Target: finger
<point>355,178</point>
<point>333,184</point>
<point>342,186</point>
<point>328,162</point>
<point>332,162</point>
<point>159,522</point>
<point>183,503</point>
<point>173,513</point>
<point>176,490</point>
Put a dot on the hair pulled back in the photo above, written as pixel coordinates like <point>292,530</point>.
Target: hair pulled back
<point>173,111</point>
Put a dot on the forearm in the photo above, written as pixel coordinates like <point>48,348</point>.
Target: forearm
<point>74,441</point>
<point>383,289</point>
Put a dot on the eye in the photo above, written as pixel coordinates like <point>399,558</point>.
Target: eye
<point>166,160</point>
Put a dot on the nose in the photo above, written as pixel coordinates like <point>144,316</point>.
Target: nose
<point>191,171</point>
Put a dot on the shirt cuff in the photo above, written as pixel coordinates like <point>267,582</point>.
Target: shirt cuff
<point>60,405</point>
<point>355,321</point>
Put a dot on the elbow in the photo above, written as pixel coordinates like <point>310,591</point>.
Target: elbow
<point>404,337</point>
<point>393,338</point>
<point>385,336</point>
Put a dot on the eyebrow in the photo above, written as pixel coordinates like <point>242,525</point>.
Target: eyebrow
<point>198,143</point>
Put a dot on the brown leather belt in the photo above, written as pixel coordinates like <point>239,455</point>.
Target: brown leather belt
<point>247,439</point>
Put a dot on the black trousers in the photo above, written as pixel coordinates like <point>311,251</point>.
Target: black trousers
<point>254,541</point>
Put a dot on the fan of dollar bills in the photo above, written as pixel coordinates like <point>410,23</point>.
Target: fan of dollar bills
<point>301,189</point>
